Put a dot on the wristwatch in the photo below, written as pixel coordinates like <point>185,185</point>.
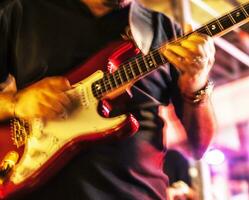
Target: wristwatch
<point>200,95</point>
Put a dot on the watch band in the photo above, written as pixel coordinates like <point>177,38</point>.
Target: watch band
<point>200,95</point>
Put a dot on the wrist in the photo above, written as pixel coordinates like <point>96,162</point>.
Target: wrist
<point>190,84</point>
<point>199,96</point>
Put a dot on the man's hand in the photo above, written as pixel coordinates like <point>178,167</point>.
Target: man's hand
<point>181,191</point>
<point>193,57</point>
<point>44,99</point>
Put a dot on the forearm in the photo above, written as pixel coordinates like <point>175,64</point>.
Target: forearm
<point>200,125</point>
<point>6,105</point>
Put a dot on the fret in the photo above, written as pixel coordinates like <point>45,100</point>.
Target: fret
<point>139,67</point>
<point>153,59</point>
<point>226,22</point>
<point>142,64</point>
<point>150,62</point>
<point>208,31</point>
<point>120,75</point>
<point>126,73</point>
<point>123,74</point>
<point>96,87</point>
<point>117,78</point>
<point>107,82</point>
<point>101,86</point>
<point>104,88</point>
<point>130,71</point>
<point>231,17</point>
<point>146,64</point>
<point>238,15</point>
<point>113,81</point>
<point>246,8</point>
<point>135,67</point>
<point>244,11</point>
<point>218,22</point>
<point>214,28</point>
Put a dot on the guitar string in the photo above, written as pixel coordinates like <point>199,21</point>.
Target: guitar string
<point>222,18</point>
<point>140,58</point>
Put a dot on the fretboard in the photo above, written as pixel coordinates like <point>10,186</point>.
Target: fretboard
<point>142,65</point>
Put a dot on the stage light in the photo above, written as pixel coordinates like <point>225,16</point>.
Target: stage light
<point>214,157</point>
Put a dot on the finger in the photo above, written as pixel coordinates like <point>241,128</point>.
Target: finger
<point>64,99</point>
<point>181,51</point>
<point>59,82</point>
<point>181,63</point>
<point>58,96</point>
<point>205,40</point>
<point>177,61</point>
<point>208,51</point>
<point>209,48</point>
<point>194,47</point>
<point>45,112</point>
<point>52,105</point>
<point>202,38</point>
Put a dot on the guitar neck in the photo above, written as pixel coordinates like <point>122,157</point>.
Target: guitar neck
<point>141,65</point>
<point>227,22</point>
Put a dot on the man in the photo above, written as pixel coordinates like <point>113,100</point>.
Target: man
<point>43,39</point>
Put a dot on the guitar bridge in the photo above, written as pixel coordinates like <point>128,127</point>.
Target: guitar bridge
<point>7,164</point>
<point>21,130</point>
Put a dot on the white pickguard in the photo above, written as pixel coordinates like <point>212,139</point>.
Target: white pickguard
<point>47,138</point>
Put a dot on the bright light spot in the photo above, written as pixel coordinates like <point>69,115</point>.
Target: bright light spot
<point>214,157</point>
<point>193,172</point>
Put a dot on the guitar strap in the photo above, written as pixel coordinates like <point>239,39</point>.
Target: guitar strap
<point>141,25</point>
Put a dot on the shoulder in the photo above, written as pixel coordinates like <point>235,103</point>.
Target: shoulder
<point>9,8</point>
<point>161,22</point>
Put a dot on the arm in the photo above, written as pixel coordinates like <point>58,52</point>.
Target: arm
<point>193,57</point>
<point>200,126</point>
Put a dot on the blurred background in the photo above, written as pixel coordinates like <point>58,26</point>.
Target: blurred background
<point>223,173</point>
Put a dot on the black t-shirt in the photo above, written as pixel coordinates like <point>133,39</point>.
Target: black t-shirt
<point>50,37</point>
<point>176,167</point>
<point>41,38</point>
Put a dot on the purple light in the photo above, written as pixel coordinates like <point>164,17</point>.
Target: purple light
<point>214,157</point>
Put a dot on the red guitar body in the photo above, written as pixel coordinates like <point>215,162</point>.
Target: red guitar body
<point>22,178</point>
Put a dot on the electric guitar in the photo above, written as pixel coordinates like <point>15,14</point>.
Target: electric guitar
<point>38,149</point>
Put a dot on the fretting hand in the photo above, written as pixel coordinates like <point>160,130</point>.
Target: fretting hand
<point>193,57</point>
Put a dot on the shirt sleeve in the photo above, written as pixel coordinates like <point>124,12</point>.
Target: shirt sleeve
<point>175,93</point>
<point>7,11</point>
